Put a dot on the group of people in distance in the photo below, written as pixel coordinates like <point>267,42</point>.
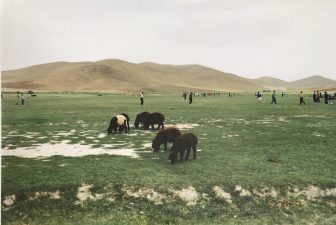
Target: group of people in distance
<point>190,96</point>
<point>316,97</point>
<point>20,97</point>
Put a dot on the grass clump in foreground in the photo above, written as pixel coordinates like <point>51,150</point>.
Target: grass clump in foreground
<point>276,162</point>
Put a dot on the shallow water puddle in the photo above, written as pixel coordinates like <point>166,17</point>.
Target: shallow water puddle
<point>101,135</point>
<point>67,150</point>
<point>147,145</point>
<point>64,133</point>
<point>183,126</point>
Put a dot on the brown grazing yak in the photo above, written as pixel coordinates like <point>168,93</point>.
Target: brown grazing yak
<point>185,142</point>
<point>140,119</point>
<point>154,118</point>
<point>164,136</point>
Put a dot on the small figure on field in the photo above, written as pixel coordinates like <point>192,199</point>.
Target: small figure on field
<point>22,99</point>
<point>326,96</point>
<point>314,96</point>
<point>154,118</point>
<point>259,96</point>
<point>301,99</point>
<point>17,98</point>
<point>184,143</point>
<point>190,97</point>
<point>282,94</point>
<point>118,122</point>
<point>139,120</point>
<point>164,136</point>
<point>318,96</point>
<point>142,98</point>
<point>273,98</point>
<point>185,96</point>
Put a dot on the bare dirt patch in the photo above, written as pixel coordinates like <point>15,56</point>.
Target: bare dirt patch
<point>312,192</point>
<point>221,194</point>
<point>265,192</point>
<point>188,195</point>
<point>242,192</point>
<point>51,195</point>
<point>147,193</point>
<point>9,200</point>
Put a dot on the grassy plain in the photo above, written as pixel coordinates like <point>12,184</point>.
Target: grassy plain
<point>241,142</point>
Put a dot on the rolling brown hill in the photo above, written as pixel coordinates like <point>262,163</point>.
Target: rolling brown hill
<point>313,82</point>
<point>310,83</point>
<point>272,83</point>
<point>120,76</point>
<point>113,75</point>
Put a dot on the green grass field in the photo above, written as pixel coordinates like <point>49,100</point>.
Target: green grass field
<point>283,156</point>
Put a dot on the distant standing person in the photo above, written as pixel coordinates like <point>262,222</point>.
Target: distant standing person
<point>22,99</point>
<point>318,96</point>
<point>326,96</point>
<point>301,99</point>
<point>190,97</point>
<point>314,96</point>
<point>259,96</point>
<point>142,98</point>
<point>273,98</point>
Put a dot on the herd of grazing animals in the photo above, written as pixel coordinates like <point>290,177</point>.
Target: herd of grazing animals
<point>182,143</point>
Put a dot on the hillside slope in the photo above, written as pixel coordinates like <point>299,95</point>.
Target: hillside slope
<point>113,75</point>
<point>118,75</point>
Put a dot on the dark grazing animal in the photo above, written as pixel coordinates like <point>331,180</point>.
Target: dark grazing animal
<point>154,118</point>
<point>117,122</point>
<point>163,136</point>
<point>185,142</point>
<point>140,119</point>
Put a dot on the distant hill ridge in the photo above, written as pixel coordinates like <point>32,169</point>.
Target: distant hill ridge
<point>114,75</point>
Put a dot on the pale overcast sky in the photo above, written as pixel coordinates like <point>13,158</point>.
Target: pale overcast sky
<point>287,39</point>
